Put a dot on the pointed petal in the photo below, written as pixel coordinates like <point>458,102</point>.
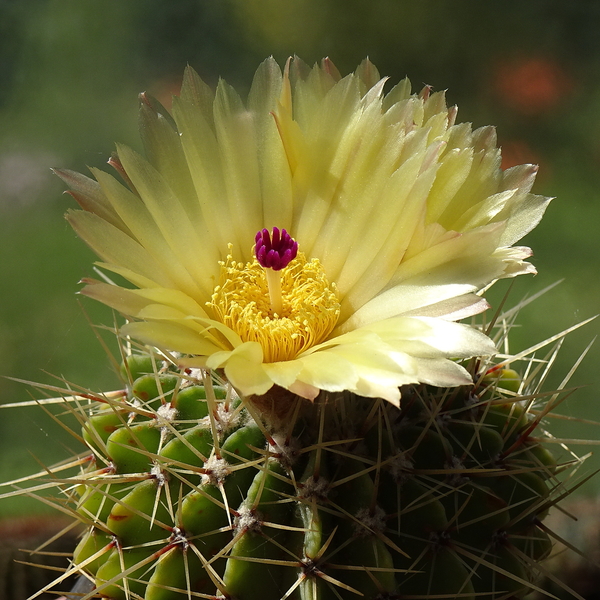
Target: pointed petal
<point>243,368</point>
<point>163,149</point>
<point>185,240</point>
<point>274,170</point>
<point>237,143</point>
<point>169,335</point>
<point>524,219</point>
<point>146,231</point>
<point>116,247</point>
<point>91,198</point>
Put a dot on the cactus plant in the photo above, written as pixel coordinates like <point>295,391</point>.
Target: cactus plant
<point>187,490</point>
<point>341,497</point>
<point>306,419</point>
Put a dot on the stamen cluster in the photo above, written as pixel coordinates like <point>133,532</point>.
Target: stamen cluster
<point>310,306</point>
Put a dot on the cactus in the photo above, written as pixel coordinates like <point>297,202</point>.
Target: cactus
<point>341,497</point>
<point>187,490</point>
<point>309,426</point>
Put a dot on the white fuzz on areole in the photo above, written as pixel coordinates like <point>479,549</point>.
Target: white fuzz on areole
<point>315,487</point>
<point>165,414</point>
<point>369,521</point>
<point>247,519</point>
<point>216,470</point>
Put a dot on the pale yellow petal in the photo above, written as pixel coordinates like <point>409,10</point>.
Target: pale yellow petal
<point>159,304</point>
<point>237,143</point>
<point>483,180</point>
<point>524,219</point>
<point>484,212</point>
<point>520,178</point>
<point>459,265</point>
<point>146,231</point>
<point>428,336</point>
<point>128,274</point>
<point>452,173</point>
<point>368,73</point>
<point>441,373</point>
<point>118,248</point>
<point>243,368</point>
<point>91,198</point>
<point>174,299</point>
<point>322,165</point>
<point>197,93</point>
<point>378,370</point>
<point>184,238</point>
<point>472,248</point>
<point>453,309</point>
<point>168,336</point>
<point>127,302</point>
<point>274,170</point>
<point>284,373</point>
<point>366,201</point>
<point>389,234</point>
<point>201,151</point>
<point>401,299</point>
<point>215,331</point>
<point>162,145</point>
<point>304,390</point>
<point>328,371</point>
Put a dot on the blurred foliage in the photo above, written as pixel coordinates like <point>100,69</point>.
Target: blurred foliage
<point>69,74</point>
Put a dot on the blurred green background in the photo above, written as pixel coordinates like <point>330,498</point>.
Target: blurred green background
<point>70,71</point>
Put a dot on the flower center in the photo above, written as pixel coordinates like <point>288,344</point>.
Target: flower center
<point>308,306</point>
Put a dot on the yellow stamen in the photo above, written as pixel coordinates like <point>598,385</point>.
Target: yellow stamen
<point>308,311</point>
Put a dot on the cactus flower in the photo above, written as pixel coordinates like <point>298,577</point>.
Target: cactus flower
<point>322,235</point>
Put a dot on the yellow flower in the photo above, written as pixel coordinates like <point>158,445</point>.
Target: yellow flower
<point>398,217</point>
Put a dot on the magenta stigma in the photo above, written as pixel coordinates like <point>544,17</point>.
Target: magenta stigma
<point>275,251</point>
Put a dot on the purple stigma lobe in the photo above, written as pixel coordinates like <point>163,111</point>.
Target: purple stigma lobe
<point>275,251</point>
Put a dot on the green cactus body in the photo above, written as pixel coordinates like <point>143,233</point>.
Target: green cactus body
<point>342,497</point>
